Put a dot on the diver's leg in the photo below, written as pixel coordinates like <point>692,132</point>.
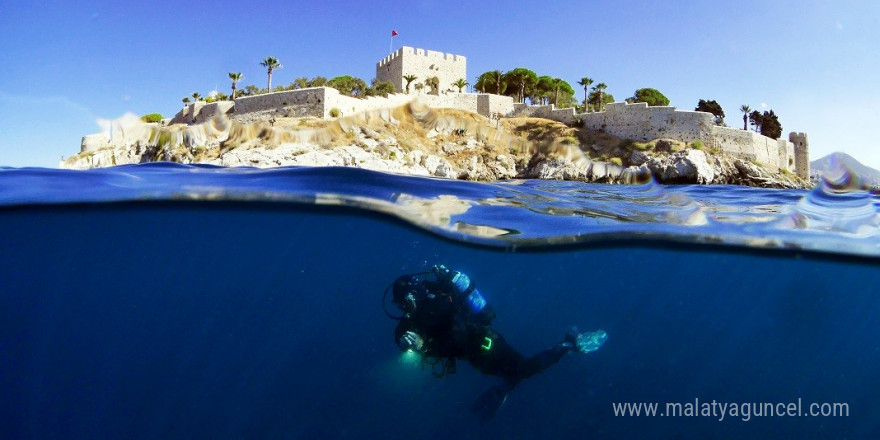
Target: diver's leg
<point>543,360</point>
<point>498,358</point>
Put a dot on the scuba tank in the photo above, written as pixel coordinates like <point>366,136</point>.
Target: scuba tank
<point>463,286</point>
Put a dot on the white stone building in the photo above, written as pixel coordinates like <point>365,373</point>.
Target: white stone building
<point>424,64</point>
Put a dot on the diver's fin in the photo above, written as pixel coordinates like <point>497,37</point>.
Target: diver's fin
<point>585,342</point>
<point>488,404</point>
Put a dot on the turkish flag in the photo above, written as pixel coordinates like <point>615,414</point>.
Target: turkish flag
<point>394,33</point>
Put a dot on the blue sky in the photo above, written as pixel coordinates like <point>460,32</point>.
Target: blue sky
<point>66,63</point>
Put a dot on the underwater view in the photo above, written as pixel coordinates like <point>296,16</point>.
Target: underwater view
<point>173,301</point>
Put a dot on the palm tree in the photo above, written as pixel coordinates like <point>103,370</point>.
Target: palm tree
<point>185,100</point>
<point>271,63</point>
<point>409,79</point>
<point>196,96</point>
<point>586,83</point>
<point>496,76</point>
<point>745,109</point>
<point>235,77</point>
<point>557,83</point>
<point>460,83</point>
<point>601,89</point>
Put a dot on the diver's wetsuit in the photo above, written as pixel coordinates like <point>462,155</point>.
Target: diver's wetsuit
<point>451,330</point>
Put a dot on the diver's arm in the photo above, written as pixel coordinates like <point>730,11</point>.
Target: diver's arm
<point>406,337</point>
<point>403,326</point>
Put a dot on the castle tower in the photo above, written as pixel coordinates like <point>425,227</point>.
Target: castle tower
<point>424,64</point>
<point>801,154</point>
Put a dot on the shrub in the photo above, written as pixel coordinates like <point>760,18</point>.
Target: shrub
<point>569,140</point>
<point>617,161</point>
<point>697,145</point>
<point>335,112</point>
<point>152,117</point>
<point>643,145</point>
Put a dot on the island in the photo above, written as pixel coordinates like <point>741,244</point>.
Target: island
<point>447,132</point>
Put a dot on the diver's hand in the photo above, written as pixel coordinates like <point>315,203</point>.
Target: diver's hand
<point>411,341</point>
<point>441,271</point>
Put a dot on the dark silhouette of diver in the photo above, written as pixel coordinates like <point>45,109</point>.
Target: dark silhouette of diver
<point>446,318</point>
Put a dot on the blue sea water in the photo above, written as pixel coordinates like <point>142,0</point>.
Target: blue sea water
<point>171,301</point>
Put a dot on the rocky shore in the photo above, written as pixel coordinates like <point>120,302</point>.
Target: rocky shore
<point>413,139</point>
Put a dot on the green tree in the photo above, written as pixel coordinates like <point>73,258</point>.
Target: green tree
<point>380,88</point>
<point>300,83</point>
<point>271,63</point>
<point>563,87</point>
<point>770,125</point>
<point>252,90</point>
<point>585,82</point>
<point>185,100</point>
<point>756,119</point>
<point>460,83</point>
<point>540,92</point>
<point>651,96</point>
<point>711,107</point>
<point>523,79</point>
<point>491,82</point>
<point>196,96</point>
<point>745,109</point>
<point>235,77</point>
<point>600,89</point>
<point>318,81</point>
<point>597,100</point>
<point>409,79</point>
<point>348,85</point>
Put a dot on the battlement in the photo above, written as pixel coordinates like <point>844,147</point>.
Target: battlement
<point>410,51</point>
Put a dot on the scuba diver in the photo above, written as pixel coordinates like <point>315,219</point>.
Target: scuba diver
<point>445,318</point>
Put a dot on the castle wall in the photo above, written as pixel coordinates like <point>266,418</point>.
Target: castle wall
<point>188,114</point>
<point>564,115</point>
<point>319,101</point>
<point>491,105</point>
<point>642,123</point>
<point>424,64</point>
<point>289,103</point>
<point>752,146</point>
<point>208,111</point>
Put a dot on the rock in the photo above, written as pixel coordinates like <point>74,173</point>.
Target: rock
<point>689,166</point>
<point>472,157</point>
<point>638,157</point>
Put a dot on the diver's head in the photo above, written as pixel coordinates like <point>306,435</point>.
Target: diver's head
<point>407,291</point>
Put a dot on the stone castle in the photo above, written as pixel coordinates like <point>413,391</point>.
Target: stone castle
<point>423,64</point>
<point>629,121</point>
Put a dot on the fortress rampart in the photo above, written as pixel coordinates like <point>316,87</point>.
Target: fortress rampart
<point>642,123</point>
<point>320,101</point>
